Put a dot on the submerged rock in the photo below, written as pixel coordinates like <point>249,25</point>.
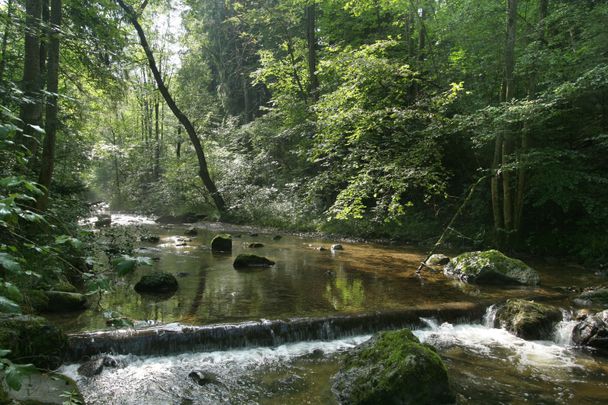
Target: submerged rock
<point>244,261</point>
<point>337,246</point>
<point>32,339</point>
<point>490,267</point>
<point>277,237</point>
<point>189,217</point>
<point>192,231</point>
<point>528,319</point>
<point>393,368</point>
<point>437,260</point>
<point>150,238</point>
<point>592,331</point>
<point>157,283</point>
<point>593,297</point>
<point>221,243</point>
<point>256,245</point>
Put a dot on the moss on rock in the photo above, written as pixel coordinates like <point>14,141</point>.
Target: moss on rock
<point>32,339</point>
<point>393,368</point>
<point>221,243</point>
<point>490,267</point>
<point>594,297</point>
<point>245,261</point>
<point>528,319</point>
<point>157,283</point>
<point>60,301</point>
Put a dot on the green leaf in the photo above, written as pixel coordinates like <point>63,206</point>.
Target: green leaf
<point>16,373</point>
<point>10,291</point>
<point>9,306</point>
<point>9,262</point>
<point>126,264</point>
<point>68,240</point>
<point>4,352</point>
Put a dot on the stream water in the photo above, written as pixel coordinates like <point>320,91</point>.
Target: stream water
<point>292,360</point>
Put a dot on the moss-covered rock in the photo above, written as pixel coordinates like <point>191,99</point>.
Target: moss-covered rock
<point>243,261</point>
<point>44,389</point>
<point>592,331</point>
<point>60,301</point>
<point>221,243</point>
<point>528,319</point>
<point>32,339</point>
<point>393,368</point>
<point>437,260</point>
<point>490,267</point>
<point>157,283</point>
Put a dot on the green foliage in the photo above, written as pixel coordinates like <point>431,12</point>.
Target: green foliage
<point>14,373</point>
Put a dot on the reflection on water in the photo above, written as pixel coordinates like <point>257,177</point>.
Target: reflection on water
<point>304,282</point>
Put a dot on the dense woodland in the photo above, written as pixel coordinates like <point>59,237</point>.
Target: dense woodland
<point>367,118</point>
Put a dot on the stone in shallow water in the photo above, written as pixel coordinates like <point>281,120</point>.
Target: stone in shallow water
<point>592,331</point>
<point>337,247</point>
<point>192,231</point>
<point>156,282</point>
<point>202,377</point>
<point>437,259</point>
<point>528,319</point>
<point>221,243</point>
<point>392,368</point>
<point>490,267</point>
<point>255,245</point>
<point>245,261</point>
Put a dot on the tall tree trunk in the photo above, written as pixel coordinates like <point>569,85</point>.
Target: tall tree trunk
<point>503,213</point>
<point>181,117</point>
<point>52,106</point>
<point>157,140</point>
<point>311,37</point>
<point>7,26</point>
<point>543,10</point>
<point>178,143</point>
<point>31,109</point>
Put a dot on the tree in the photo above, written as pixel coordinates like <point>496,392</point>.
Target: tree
<point>52,107</point>
<point>132,16</point>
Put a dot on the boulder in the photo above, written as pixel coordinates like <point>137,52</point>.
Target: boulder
<point>157,283</point>
<point>221,243</point>
<point>437,260</point>
<point>192,231</point>
<point>593,297</point>
<point>337,247</point>
<point>528,319</point>
<point>32,339</point>
<point>245,261</point>
<point>103,221</point>
<point>204,377</point>
<point>392,368</point>
<point>490,267</point>
<point>96,365</point>
<point>61,301</point>
<point>592,331</point>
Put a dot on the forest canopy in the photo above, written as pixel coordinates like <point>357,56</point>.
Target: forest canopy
<point>366,118</point>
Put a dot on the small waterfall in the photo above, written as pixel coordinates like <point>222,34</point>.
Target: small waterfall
<point>489,319</point>
<point>562,335</point>
<point>175,338</point>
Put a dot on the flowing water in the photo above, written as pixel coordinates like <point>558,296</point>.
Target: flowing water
<point>274,336</point>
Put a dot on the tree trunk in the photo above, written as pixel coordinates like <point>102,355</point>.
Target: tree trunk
<point>52,106</point>
<point>311,20</point>
<point>543,10</point>
<point>7,26</point>
<point>181,117</point>
<point>31,109</point>
<point>157,140</point>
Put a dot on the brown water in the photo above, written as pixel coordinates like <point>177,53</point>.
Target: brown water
<point>304,282</point>
<point>486,365</point>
